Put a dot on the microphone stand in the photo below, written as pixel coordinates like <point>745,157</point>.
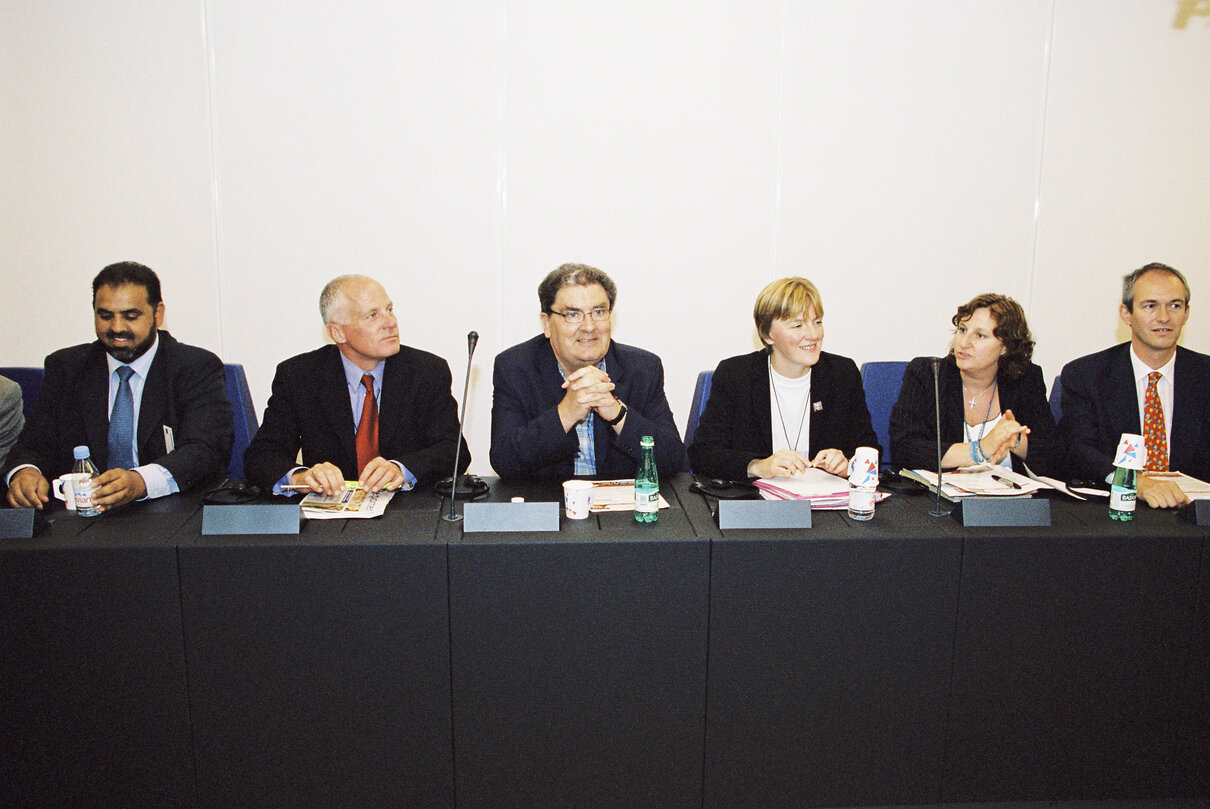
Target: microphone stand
<point>937,510</point>
<point>456,490</point>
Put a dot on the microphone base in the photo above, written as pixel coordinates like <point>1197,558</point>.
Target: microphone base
<point>940,512</point>
<point>469,487</point>
<point>452,517</point>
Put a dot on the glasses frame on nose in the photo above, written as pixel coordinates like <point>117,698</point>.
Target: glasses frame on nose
<point>574,316</point>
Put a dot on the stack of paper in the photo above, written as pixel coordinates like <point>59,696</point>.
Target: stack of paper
<point>825,491</point>
<point>978,481</point>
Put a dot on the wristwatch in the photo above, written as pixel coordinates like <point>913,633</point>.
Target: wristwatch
<point>621,415</point>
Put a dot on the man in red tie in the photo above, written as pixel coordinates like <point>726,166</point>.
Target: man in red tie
<point>364,408</point>
<point>1149,386</point>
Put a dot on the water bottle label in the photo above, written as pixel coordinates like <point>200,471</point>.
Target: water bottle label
<point>82,492</point>
<point>1122,499</point>
<point>647,501</point>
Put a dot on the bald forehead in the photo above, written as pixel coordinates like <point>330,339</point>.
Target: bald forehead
<point>340,298</point>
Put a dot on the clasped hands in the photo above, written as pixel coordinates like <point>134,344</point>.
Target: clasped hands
<point>786,462</point>
<point>1007,436</point>
<point>111,489</point>
<point>326,478</point>
<point>588,389</point>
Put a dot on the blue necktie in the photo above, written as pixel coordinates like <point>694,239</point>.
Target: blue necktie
<point>121,423</point>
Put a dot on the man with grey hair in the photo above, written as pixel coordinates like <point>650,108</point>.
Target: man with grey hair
<point>1149,386</point>
<point>365,408</point>
<point>571,402</point>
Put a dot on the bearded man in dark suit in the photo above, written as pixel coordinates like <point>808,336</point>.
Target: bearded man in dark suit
<point>152,411</point>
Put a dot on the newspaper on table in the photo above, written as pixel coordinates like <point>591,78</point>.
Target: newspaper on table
<point>980,480</point>
<point>824,490</point>
<point>1193,488</point>
<point>353,503</point>
<point>616,495</point>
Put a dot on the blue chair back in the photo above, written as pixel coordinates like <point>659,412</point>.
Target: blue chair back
<point>1056,399</point>
<point>243,415</point>
<point>701,392</point>
<point>30,380</point>
<point>882,381</point>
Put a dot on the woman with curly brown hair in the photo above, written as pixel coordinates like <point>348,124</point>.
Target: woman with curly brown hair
<point>992,397</point>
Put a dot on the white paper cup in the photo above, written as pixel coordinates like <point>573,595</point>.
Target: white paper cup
<point>577,499</point>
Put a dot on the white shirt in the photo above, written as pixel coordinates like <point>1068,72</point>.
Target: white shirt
<point>790,405</point>
<point>1164,387</point>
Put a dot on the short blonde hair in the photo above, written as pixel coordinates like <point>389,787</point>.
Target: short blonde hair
<point>784,299</point>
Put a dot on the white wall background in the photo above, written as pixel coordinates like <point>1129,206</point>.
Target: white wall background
<point>903,155</point>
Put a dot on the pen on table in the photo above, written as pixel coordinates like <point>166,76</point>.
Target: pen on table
<point>306,487</point>
<point>1006,481</point>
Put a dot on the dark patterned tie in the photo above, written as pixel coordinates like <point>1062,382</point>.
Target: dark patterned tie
<point>367,428</point>
<point>121,423</point>
<point>1154,435</point>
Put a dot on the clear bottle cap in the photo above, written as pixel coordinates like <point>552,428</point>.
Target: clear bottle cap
<point>80,453</point>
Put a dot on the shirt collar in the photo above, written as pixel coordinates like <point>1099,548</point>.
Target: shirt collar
<point>353,373</point>
<point>141,365</point>
<point>1142,370</point>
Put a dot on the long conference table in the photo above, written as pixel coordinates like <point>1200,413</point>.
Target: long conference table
<point>402,662</point>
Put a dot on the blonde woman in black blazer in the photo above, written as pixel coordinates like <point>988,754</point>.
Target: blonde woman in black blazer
<point>757,423</point>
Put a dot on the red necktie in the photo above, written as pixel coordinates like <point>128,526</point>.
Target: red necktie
<point>1154,436</point>
<point>367,428</point>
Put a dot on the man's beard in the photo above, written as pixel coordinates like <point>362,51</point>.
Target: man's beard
<point>131,353</point>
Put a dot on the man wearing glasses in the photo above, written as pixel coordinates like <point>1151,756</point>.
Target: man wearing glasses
<point>571,402</point>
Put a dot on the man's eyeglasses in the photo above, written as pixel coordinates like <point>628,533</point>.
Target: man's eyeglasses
<point>573,316</point>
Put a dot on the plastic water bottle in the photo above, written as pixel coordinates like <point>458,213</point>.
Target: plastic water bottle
<point>84,466</point>
<point>1123,493</point>
<point>647,484</point>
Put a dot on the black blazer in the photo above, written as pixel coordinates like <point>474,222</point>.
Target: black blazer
<point>1100,402</point>
<point>914,418</point>
<point>309,410</point>
<point>184,390</point>
<point>736,427</point>
<point>528,438</point>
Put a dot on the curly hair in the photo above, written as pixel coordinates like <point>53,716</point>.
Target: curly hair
<point>1011,329</point>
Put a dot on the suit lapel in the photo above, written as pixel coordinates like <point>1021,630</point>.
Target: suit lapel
<point>821,379</point>
<point>1188,392</point>
<point>334,404</point>
<point>94,383</point>
<point>760,404</point>
<point>152,404</point>
<point>394,377</point>
<point>1123,395</point>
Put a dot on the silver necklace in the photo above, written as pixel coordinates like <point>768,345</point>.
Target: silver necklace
<point>781,418</point>
<point>971,402</point>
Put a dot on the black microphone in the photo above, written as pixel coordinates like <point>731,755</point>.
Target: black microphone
<point>468,486</point>
<point>938,511</point>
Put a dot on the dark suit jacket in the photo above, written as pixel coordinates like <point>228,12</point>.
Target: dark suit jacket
<point>1100,402</point>
<point>184,390</point>
<point>528,437</point>
<point>309,409</point>
<point>736,427</point>
<point>914,417</point>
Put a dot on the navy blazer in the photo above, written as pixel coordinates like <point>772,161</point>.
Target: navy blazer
<point>1100,402</point>
<point>184,390</point>
<point>528,437</point>
<point>914,417</point>
<point>309,409</point>
<point>736,426</point>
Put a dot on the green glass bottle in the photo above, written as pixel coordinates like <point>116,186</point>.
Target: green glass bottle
<point>647,484</point>
<point>1123,493</point>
